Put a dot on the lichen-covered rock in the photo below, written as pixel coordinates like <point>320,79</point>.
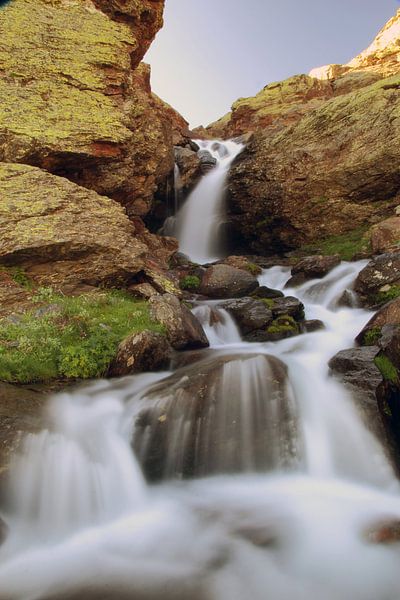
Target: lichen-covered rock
<point>184,331</point>
<point>71,101</point>
<point>224,281</point>
<point>62,234</point>
<point>332,173</point>
<point>379,281</point>
<point>140,352</point>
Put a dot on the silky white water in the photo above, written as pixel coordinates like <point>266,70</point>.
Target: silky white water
<point>83,523</point>
<point>199,221</point>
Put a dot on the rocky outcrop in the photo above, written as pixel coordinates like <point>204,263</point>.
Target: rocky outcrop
<point>73,103</point>
<point>332,174</point>
<point>140,352</point>
<point>65,236</point>
<point>184,331</point>
<point>385,236</point>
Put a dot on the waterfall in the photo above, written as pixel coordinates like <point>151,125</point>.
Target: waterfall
<point>268,482</point>
<point>199,222</point>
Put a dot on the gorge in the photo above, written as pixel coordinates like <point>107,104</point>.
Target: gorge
<point>199,331</point>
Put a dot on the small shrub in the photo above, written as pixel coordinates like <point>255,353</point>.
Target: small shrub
<point>190,282</point>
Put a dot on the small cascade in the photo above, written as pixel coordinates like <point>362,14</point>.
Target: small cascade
<point>218,325</point>
<point>199,222</point>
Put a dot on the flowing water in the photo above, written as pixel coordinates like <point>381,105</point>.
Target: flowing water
<point>200,220</point>
<point>288,482</point>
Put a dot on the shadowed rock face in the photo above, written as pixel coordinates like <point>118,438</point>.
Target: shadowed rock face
<point>72,102</point>
<point>194,423</point>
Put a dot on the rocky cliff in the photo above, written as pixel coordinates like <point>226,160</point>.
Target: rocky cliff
<point>72,101</point>
<point>322,163</point>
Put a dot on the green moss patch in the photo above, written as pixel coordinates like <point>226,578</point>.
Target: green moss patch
<point>346,245</point>
<point>383,297</point>
<point>69,337</point>
<point>387,368</point>
<point>372,336</point>
<point>190,282</point>
<point>282,325</point>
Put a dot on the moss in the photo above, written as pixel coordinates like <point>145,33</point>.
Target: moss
<point>253,268</point>
<point>190,282</point>
<point>18,275</point>
<point>269,302</point>
<point>283,324</point>
<point>372,336</point>
<point>387,368</point>
<point>69,337</point>
<point>387,296</point>
<point>346,245</point>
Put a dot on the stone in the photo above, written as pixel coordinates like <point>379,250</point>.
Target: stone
<point>387,315</point>
<point>311,326</point>
<point>315,267</point>
<point>207,161</point>
<point>184,331</point>
<point>190,170</point>
<point>141,352</point>
<point>385,532</point>
<point>385,236</point>
<point>249,314</point>
<point>201,406</point>
<point>241,262</point>
<point>288,306</point>
<point>357,368</point>
<point>382,274</point>
<point>3,532</point>
<point>63,235</point>
<point>224,281</point>
<point>267,293</point>
<point>85,106</point>
<point>143,290</point>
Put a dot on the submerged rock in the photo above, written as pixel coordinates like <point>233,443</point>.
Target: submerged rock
<point>221,415</point>
<point>184,331</point>
<point>140,352</point>
<point>224,281</point>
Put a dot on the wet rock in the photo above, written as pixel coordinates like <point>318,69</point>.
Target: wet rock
<point>385,532</point>
<point>281,328</point>
<point>348,299</point>
<point>195,425</point>
<point>387,315</point>
<point>140,352</point>
<point>3,532</point>
<point>267,293</point>
<point>241,262</point>
<point>385,236</point>
<point>207,161</point>
<point>379,278</point>
<point>357,368</point>
<point>224,281</point>
<point>312,267</point>
<point>190,170</point>
<point>184,331</point>
<point>288,306</point>
<point>249,314</point>
<point>311,326</point>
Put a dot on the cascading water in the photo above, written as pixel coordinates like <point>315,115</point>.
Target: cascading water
<point>198,223</point>
<point>300,491</point>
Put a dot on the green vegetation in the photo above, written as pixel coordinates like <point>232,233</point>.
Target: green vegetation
<point>269,302</point>
<point>253,268</point>
<point>283,324</point>
<point>346,245</point>
<point>383,297</point>
<point>69,337</point>
<point>372,336</point>
<point>190,282</point>
<point>387,368</point>
<point>18,275</point>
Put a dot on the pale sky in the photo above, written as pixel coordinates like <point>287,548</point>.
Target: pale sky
<point>211,52</point>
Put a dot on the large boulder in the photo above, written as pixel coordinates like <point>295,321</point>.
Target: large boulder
<point>72,101</point>
<point>286,190</point>
<point>385,236</point>
<point>184,331</point>
<point>223,414</point>
<point>388,315</point>
<point>64,235</point>
<point>379,281</point>
<point>140,352</point>
<point>250,314</point>
<point>224,281</point>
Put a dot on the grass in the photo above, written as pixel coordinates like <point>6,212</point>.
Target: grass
<point>387,368</point>
<point>346,245</point>
<point>69,337</point>
<point>383,297</point>
<point>372,336</point>
<point>18,275</point>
